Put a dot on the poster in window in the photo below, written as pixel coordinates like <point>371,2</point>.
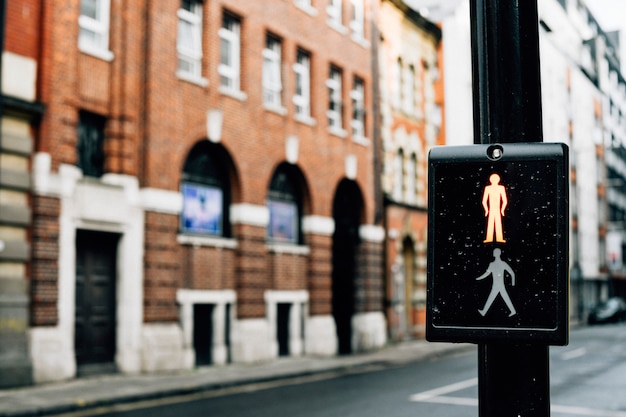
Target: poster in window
<point>282,227</point>
<point>202,209</point>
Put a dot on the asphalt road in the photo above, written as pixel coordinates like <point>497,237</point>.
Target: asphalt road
<point>588,378</point>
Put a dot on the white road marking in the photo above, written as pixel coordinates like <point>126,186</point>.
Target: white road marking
<point>573,354</point>
<point>438,396</point>
<point>583,411</point>
<point>427,395</point>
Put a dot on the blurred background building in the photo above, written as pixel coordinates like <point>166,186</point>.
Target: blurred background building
<point>583,94</point>
<point>203,182</point>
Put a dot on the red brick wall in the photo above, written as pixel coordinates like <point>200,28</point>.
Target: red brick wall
<point>287,271</point>
<point>44,266</point>
<point>162,268</point>
<point>370,288</point>
<point>251,271</point>
<point>22,27</point>
<point>320,274</point>
<point>207,268</point>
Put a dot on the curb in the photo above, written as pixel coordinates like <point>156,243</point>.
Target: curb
<point>380,360</point>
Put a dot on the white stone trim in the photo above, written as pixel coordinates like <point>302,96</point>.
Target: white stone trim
<point>250,214</point>
<point>318,225</point>
<point>220,298</point>
<point>288,249</point>
<point>161,201</point>
<point>372,233</point>
<point>162,347</point>
<point>351,166</point>
<point>369,331</point>
<point>109,204</point>
<point>209,241</point>
<point>250,341</point>
<point>321,336</point>
<point>299,309</point>
<point>19,76</point>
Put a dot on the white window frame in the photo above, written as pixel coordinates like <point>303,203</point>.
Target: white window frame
<point>302,72</point>
<point>99,27</point>
<point>411,180</point>
<point>398,175</point>
<point>397,84</point>
<point>272,74</point>
<point>334,11</point>
<point>231,72</point>
<point>306,6</point>
<point>408,90</point>
<point>191,54</point>
<point>357,23</point>
<point>335,119</point>
<point>357,95</point>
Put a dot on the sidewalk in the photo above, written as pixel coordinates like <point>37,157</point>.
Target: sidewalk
<point>106,390</point>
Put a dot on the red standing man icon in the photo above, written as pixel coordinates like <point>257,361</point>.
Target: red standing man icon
<point>494,203</point>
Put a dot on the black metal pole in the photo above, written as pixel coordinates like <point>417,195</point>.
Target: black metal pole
<point>506,78</point>
<point>514,379</point>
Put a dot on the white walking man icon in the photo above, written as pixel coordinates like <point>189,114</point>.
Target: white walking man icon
<point>497,268</point>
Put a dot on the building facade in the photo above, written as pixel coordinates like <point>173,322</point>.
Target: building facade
<point>411,123</point>
<point>582,106</point>
<point>21,112</point>
<point>203,185</point>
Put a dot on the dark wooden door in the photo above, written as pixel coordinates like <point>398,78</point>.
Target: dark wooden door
<point>95,320</point>
<point>203,333</point>
<point>282,328</point>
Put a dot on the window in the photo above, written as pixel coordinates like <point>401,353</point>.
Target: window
<point>189,42</point>
<point>272,80</point>
<point>358,18</point>
<point>333,83</point>
<point>408,90</point>
<point>334,12</point>
<point>284,202</point>
<point>93,21</point>
<point>398,175</point>
<point>411,180</point>
<point>358,108</point>
<point>205,188</point>
<point>230,47</point>
<point>90,146</point>
<point>397,93</point>
<point>302,96</point>
<point>306,6</point>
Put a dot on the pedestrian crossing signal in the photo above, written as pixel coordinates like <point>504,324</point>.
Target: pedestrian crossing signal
<point>498,243</point>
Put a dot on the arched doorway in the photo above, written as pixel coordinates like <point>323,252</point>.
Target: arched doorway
<point>408,259</point>
<point>347,208</point>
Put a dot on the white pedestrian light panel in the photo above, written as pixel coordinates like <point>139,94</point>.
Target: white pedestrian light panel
<point>498,243</point>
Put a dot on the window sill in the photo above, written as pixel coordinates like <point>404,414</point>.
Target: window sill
<point>306,8</point>
<point>360,40</point>
<point>236,94</point>
<point>275,109</point>
<point>102,54</point>
<point>335,131</point>
<point>193,79</point>
<point>361,140</point>
<point>208,241</point>
<point>307,120</point>
<point>290,249</point>
<point>337,26</point>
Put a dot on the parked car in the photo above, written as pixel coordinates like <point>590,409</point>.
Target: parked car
<point>612,310</point>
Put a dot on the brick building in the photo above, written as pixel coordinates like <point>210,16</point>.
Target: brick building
<point>412,122</point>
<point>203,185</point>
